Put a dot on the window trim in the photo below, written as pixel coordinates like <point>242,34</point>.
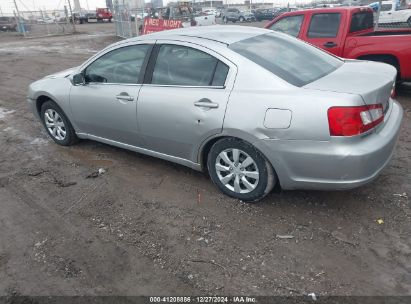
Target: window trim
<point>327,13</point>
<point>143,70</point>
<point>301,26</point>
<point>148,77</point>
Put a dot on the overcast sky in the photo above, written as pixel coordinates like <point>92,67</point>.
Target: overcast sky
<point>7,6</point>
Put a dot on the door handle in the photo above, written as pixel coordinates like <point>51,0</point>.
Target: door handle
<point>330,44</point>
<point>206,103</point>
<point>125,97</point>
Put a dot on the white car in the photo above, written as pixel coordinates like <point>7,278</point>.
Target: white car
<point>390,13</point>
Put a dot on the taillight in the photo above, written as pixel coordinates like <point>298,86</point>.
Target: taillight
<point>349,121</point>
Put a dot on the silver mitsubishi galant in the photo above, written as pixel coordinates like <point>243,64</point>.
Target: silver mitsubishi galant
<point>252,107</point>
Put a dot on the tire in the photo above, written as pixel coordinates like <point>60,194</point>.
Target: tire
<point>48,112</point>
<point>241,19</point>
<point>250,183</point>
<point>225,20</point>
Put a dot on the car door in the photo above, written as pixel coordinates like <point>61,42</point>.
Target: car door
<point>184,98</point>
<point>324,31</point>
<point>400,15</point>
<point>105,105</point>
<point>386,13</point>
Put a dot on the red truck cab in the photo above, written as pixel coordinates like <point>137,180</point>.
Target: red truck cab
<point>103,14</point>
<point>348,32</point>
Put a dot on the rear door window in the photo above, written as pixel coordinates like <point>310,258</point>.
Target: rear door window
<point>324,25</point>
<point>289,25</point>
<point>184,66</point>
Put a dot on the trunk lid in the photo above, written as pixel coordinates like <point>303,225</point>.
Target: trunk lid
<point>373,81</point>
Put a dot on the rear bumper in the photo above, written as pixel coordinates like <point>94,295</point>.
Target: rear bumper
<point>336,164</point>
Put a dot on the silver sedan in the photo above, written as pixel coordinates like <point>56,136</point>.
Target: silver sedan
<point>252,107</point>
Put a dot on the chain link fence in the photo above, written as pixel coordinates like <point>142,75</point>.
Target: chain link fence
<point>122,20</point>
<point>44,23</point>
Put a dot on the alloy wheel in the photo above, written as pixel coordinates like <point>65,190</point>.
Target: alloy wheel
<point>55,124</point>
<point>237,171</point>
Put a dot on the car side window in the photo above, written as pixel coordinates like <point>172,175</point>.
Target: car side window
<point>289,25</point>
<point>386,7</point>
<point>185,66</point>
<point>324,25</point>
<point>121,65</point>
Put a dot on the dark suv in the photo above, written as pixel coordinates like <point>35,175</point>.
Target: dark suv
<point>8,24</point>
<point>234,15</point>
<point>264,14</point>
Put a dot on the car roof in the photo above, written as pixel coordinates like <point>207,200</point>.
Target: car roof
<point>226,34</point>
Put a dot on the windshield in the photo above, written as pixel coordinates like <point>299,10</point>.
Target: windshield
<point>288,58</point>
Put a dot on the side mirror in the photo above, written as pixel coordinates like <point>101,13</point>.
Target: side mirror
<point>78,79</point>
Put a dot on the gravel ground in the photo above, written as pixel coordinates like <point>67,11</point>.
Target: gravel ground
<point>151,227</point>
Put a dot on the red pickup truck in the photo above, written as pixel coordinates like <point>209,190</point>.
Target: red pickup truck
<point>348,32</point>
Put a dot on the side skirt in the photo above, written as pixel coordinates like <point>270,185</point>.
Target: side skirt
<point>170,158</point>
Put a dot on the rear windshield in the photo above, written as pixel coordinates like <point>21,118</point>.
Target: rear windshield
<point>361,21</point>
<point>288,58</point>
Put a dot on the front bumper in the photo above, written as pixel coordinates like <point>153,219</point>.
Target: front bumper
<point>341,163</point>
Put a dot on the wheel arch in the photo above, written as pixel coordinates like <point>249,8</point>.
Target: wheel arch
<point>207,144</point>
<point>40,100</point>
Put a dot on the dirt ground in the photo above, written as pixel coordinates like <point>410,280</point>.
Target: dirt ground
<point>150,227</point>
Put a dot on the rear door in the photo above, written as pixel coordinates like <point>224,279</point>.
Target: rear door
<point>184,98</point>
<point>325,30</point>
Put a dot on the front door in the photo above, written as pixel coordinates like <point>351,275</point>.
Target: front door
<point>324,31</point>
<point>105,106</point>
<point>184,100</point>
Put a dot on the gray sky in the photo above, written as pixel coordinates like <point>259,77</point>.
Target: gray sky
<point>7,6</point>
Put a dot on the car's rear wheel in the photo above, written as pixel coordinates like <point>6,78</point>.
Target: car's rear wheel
<point>57,124</point>
<point>240,170</point>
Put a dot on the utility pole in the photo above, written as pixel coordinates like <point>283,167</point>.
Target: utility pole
<point>71,16</point>
<point>20,25</point>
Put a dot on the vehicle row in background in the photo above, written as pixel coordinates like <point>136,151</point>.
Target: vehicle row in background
<point>100,15</point>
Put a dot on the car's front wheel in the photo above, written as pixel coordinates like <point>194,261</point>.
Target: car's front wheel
<point>57,124</point>
<point>242,19</point>
<point>240,170</point>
